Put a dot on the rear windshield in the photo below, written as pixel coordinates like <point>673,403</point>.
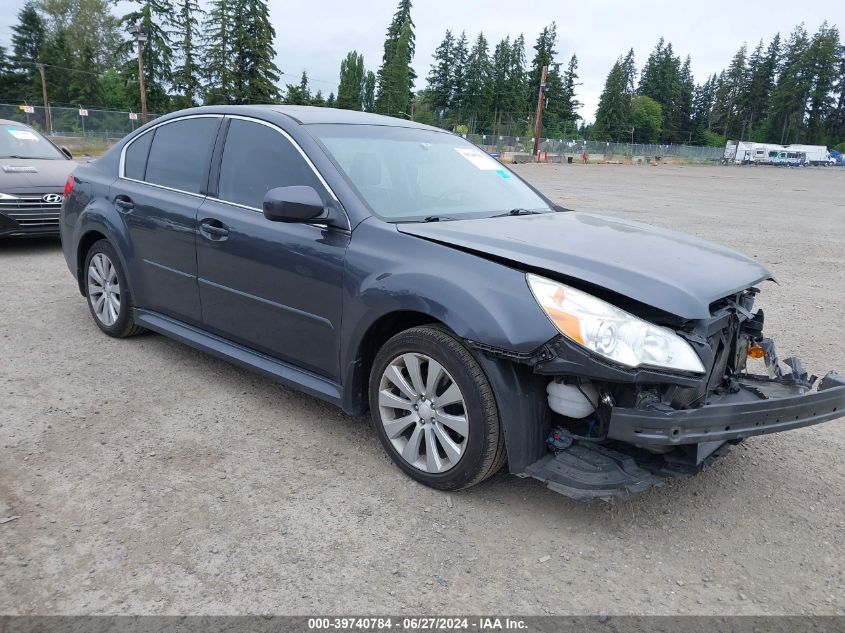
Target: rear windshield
<point>408,174</point>
<point>20,141</point>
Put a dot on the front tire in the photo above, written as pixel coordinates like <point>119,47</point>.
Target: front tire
<point>434,410</point>
<point>108,293</point>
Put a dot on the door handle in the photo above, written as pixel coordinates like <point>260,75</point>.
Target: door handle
<point>124,203</point>
<point>214,229</point>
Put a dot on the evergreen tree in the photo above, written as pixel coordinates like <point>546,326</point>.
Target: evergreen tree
<point>702,108</point>
<point>318,99</point>
<point>663,79</point>
<point>28,40</point>
<point>459,69</point>
<point>401,22</point>
<point>501,100</point>
<point>684,104</point>
<point>369,95</point>
<point>254,72</point>
<point>330,101</point>
<point>836,121</point>
<point>8,89</point>
<point>785,122</point>
<point>217,59</point>
<point>395,82</point>
<point>570,104</point>
<point>299,94</point>
<point>84,86</point>
<point>440,76</point>
<point>478,96</point>
<point>153,16</point>
<point>57,56</point>
<point>544,55</point>
<point>517,83</point>
<point>727,116</point>
<point>186,75</point>
<point>613,116</point>
<point>754,100</point>
<point>350,92</point>
<point>822,56</point>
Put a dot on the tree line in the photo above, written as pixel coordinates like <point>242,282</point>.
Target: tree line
<point>787,91</point>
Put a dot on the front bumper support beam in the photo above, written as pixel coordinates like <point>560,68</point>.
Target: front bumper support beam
<point>756,408</point>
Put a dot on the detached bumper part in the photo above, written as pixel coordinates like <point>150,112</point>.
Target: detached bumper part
<point>759,407</point>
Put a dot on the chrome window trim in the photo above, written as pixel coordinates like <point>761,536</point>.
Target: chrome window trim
<point>304,156</point>
<point>121,167</point>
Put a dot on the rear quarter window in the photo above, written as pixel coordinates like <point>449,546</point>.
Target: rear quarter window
<point>135,159</point>
<point>180,154</point>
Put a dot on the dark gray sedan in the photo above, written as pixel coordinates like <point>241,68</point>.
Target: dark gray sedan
<point>33,173</point>
<point>388,266</point>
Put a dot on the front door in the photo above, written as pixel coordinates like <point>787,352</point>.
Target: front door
<point>272,286</point>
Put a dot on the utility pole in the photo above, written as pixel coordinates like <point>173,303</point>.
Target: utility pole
<point>140,38</point>
<point>538,115</point>
<point>48,124</point>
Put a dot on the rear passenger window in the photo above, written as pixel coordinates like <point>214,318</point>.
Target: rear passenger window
<point>256,158</point>
<point>135,159</point>
<point>180,154</point>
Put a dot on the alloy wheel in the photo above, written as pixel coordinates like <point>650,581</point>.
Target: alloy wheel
<point>423,412</point>
<point>104,289</point>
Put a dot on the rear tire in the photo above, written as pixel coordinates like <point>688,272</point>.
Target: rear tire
<point>434,410</point>
<point>107,292</point>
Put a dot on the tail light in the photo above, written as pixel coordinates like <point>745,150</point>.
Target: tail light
<point>68,186</point>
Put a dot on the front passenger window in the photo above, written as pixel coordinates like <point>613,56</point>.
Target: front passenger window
<point>256,158</point>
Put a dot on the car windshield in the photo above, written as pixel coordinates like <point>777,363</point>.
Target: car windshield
<point>20,141</point>
<point>408,174</point>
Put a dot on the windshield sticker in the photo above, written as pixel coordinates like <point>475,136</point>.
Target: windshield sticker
<point>478,158</point>
<point>23,135</point>
<point>503,173</point>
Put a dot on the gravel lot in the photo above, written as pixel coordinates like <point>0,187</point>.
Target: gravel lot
<point>148,478</point>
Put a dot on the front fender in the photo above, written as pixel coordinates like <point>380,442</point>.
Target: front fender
<point>388,272</point>
<point>478,299</point>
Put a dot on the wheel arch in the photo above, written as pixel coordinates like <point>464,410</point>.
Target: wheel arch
<point>84,245</point>
<point>381,330</point>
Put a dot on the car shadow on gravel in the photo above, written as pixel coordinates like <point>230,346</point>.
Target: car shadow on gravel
<point>14,247</point>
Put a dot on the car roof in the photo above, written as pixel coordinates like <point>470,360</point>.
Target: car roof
<point>307,115</point>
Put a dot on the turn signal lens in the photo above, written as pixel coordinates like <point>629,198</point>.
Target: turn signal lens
<point>755,351</point>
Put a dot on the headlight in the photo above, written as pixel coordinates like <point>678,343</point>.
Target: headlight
<point>611,332</point>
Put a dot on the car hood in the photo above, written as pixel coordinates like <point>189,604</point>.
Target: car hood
<point>20,174</point>
<point>670,271</point>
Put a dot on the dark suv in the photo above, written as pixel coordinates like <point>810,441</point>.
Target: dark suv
<point>384,265</point>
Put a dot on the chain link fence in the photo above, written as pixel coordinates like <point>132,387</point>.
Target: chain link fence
<point>559,149</point>
<point>67,121</point>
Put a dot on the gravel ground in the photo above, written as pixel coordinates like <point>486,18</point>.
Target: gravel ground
<point>148,478</point>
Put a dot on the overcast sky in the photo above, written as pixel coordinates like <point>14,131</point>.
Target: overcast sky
<point>314,35</point>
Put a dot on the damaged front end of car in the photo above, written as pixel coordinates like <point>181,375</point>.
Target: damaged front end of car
<point>614,430</point>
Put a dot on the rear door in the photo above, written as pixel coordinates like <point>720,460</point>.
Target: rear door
<point>164,178</point>
<point>272,286</point>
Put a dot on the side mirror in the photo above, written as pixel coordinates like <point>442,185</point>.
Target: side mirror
<point>66,152</point>
<point>293,204</point>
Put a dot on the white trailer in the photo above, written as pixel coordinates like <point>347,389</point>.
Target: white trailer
<point>815,154</point>
<point>739,152</point>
